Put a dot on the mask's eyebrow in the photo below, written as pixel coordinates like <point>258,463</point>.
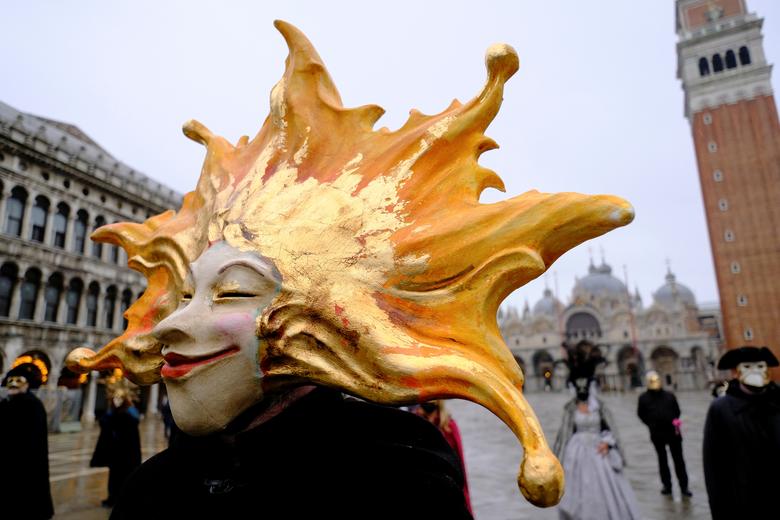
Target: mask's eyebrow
<point>258,266</point>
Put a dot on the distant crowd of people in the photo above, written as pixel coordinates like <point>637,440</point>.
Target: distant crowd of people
<point>741,448</point>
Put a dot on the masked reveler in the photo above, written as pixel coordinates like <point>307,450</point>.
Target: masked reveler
<point>119,445</point>
<point>324,257</point>
<point>742,438</point>
<point>24,464</point>
<point>589,448</point>
<point>659,410</point>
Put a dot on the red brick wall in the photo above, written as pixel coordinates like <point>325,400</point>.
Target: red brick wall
<point>696,15</point>
<point>747,137</point>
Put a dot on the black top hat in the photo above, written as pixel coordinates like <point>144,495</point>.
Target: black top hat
<point>734,357</point>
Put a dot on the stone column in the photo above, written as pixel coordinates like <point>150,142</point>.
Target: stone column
<point>3,196</point>
<point>40,303</point>
<point>100,318</point>
<point>81,317</point>
<point>16,299</point>
<point>49,225</point>
<point>62,307</point>
<point>151,404</point>
<point>54,375</point>
<point>69,232</point>
<point>28,204</point>
<point>88,413</point>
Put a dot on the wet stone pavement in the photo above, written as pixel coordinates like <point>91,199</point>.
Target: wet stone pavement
<point>492,457</point>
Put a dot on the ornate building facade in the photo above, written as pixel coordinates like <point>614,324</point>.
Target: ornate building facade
<point>672,335</point>
<point>58,290</point>
<point>731,108</point>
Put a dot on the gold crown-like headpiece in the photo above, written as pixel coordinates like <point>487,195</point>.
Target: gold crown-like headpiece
<point>392,270</point>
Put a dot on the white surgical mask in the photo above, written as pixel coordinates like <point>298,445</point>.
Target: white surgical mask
<point>118,401</point>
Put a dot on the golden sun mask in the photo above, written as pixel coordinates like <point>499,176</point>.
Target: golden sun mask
<point>392,270</point>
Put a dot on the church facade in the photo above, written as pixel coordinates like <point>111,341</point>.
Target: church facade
<point>673,334</point>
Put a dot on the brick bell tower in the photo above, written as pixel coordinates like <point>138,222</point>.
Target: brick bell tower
<point>731,109</point>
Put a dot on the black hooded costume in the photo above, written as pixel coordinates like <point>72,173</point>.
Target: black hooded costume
<point>24,464</point>
<point>742,445</point>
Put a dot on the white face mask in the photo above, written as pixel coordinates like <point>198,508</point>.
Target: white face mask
<point>118,401</point>
<point>753,373</point>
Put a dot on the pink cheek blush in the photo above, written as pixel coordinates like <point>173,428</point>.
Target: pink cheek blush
<point>235,325</point>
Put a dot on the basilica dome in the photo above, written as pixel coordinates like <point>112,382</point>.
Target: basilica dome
<point>600,282</point>
<point>672,292</point>
<point>548,305</point>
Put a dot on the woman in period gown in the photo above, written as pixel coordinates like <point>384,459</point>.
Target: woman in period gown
<point>587,445</point>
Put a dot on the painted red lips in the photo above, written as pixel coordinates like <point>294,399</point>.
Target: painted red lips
<point>177,365</point>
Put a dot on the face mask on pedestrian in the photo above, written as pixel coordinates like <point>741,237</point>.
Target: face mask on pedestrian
<point>118,401</point>
<point>753,373</point>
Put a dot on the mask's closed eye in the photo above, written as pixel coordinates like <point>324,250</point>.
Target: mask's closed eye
<point>234,294</point>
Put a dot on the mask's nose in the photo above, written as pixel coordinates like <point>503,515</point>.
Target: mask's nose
<point>178,328</point>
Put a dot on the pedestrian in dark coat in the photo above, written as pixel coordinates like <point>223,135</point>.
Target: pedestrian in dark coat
<point>659,410</point>
<point>24,465</point>
<point>742,439</point>
<point>119,444</point>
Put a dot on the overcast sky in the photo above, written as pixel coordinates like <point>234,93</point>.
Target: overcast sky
<point>595,108</point>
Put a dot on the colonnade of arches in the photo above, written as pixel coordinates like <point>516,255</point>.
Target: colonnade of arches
<point>37,295</point>
<point>728,60</point>
<point>38,219</point>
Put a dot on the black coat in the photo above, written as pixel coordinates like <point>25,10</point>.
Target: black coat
<point>742,453</point>
<point>119,444</point>
<point>657,409</point>
<point>323,457</point>
<point>24,464</point>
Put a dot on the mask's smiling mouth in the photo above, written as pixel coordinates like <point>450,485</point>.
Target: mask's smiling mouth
<point>177,365</point>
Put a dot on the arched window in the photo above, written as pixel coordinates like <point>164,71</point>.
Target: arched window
<point>127,297</point>
<point>704,67</point>
<point>8,276</point>
<point>109,306</point>
<point>72,300</point>
<point>14,211</point>
<point>744,56</point>
<point>115,254</point>
<point>717,63</point>
<point>38,218</point>
<point>29,293</point>
<point>97,247</point>
<point>80,231</point>
<point>731,60</point>
<point>60,224</point>
<point>52,297</point>
<point>92,304</point>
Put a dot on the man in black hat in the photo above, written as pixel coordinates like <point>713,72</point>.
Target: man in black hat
<point>24,479</point>
<point>742,438</point>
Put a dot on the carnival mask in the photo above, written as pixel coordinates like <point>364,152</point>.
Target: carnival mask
<point>210,344</point>
<point>582,387</point>
<point>17,385</point>
<point>325,252</point>
<point>753,373</point>
<point>653,380</point>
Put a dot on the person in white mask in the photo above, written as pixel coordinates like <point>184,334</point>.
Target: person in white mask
<point>742,438</point>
